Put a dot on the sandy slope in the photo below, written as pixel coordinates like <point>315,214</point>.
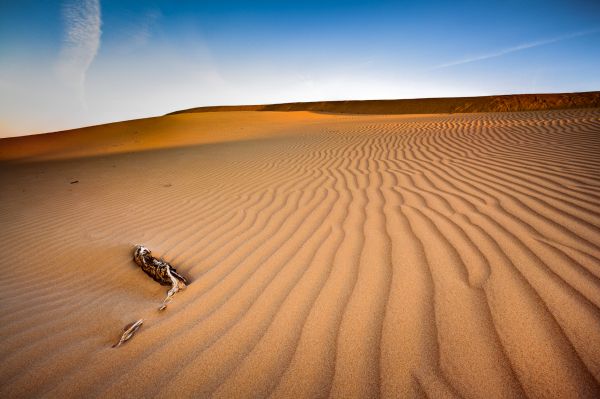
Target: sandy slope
<point>504,103</point>
<point>351,256</point>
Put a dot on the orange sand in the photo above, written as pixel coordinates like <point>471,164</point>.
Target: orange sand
<point>445,105</point>
<point>330,255</point>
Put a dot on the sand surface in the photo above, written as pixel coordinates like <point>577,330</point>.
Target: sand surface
<point>504,103</point>
<point>330,255</point>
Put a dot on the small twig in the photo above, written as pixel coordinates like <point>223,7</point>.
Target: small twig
<point>129,331</point>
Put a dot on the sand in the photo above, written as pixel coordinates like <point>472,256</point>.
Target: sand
<point>330,255</point>
<point>448,105</point>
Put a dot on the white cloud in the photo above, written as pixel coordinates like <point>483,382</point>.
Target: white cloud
<point>81,43</point>
<point>140,35</point>
<point>520,47</point>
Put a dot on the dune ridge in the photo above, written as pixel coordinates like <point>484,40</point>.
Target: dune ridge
<point>330,256</point>
<point>449,105</point>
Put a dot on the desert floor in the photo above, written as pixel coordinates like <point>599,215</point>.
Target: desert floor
<point>330,255</point>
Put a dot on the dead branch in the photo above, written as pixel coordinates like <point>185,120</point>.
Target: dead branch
<point>161,271</point>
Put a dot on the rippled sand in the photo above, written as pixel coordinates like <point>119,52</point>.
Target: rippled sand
<point>344,256</point>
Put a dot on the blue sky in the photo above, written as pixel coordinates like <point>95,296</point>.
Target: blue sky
<point>65,64</point>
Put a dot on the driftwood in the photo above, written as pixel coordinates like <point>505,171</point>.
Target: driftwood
<point>128,332</point>
<point>161,271</point>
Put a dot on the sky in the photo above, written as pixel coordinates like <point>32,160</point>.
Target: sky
<point>72,63</point>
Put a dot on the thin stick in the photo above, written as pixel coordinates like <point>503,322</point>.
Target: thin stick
<point>129,331</point>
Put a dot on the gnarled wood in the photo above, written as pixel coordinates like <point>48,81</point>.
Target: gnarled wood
<point>161,271</point>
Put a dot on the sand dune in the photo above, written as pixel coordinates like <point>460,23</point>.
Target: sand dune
<point>449,105</point>
<point>330,255</point>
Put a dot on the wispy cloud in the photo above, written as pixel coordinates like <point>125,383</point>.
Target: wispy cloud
<point>520,47</point>
<point>142,31</point>
<point>81,42</point>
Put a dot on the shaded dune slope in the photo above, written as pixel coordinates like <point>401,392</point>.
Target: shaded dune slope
<point>513,102</point>
<point>148,134</point>
<point>342,256</point>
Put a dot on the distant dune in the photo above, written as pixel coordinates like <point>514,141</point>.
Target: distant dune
<point>514,102</point>
<point>149,133</point>
<point>343,256</point>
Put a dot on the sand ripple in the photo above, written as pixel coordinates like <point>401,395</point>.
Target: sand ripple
<point>343,256</point>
